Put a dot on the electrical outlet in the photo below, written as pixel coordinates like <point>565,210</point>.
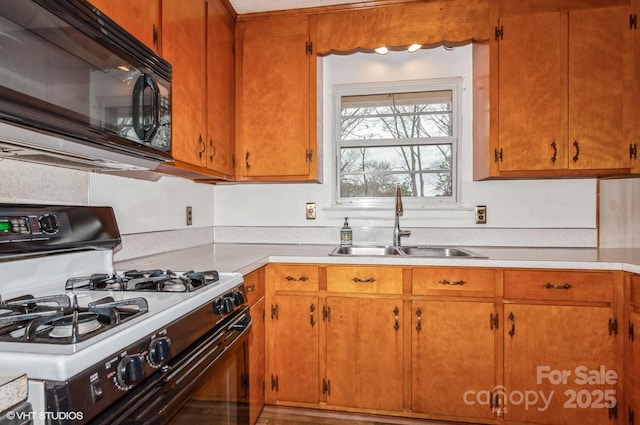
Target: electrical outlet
<point>311,210</point>
<point>189,216</point>
<point>481,214</point>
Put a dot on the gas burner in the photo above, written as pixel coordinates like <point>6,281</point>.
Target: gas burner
<point>155,280</point>
<point>59,319</point>
<point>86,322</point>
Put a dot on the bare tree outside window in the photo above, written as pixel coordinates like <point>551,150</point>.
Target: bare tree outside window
<point>397,138</point>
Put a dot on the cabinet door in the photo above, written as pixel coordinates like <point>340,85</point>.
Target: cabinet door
<point>559,364</point>
<point>452,358</point>
<point>295,334</point>
<point>183,45</point>
<point>633,356</point>
<point>256,360</point>
<point>220,88</point>
<point>276,133</point>
<point>532,98</point>
<point>364,353</point>
<point>141,18</point>
<point>600,88</point>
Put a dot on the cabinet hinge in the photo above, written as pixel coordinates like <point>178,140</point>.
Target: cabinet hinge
<point>233,161</point>
<point>613,326</point>
<point>613,412</point>
<point>633,21</point>
<point>326,386</point>
<point>274,311</point>
<point>633,151</point>
<point>494,322</point>
<point>497,155</point>
<point>499,32</point>
<point>308,156</point>
<point>309,47</point>
<point>326,313</point>
<point>274,383</point>
<point>632,333</point>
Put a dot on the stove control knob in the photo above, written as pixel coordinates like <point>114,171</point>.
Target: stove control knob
<point>49,224</point>
<point>238,298</point>
<point>226,305</point>
<point>130,370</point>
<point>159,351</point>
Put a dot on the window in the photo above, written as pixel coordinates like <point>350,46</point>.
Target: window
<point>405,135</point>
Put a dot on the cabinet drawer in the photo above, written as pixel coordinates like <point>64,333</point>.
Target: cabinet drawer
<point>453,281</point>
<point>365,280</point>
<point>295,277</point>
<point>559,285</point>
<point>254,285</point>
<point>635,290</point>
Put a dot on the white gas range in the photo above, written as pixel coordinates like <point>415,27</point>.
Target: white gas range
<point>96,343</point>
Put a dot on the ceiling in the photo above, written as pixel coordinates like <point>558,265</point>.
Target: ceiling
<point>254,6</point>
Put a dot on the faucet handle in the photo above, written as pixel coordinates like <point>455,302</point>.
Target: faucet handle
<point>399,209</point>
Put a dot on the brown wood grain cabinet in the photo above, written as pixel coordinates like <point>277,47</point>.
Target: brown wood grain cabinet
<point>293,334</point>
<point>557,100</point>
<point>254,284</point>
<point>562,347</point>
<point>276,131</point>
<point>364,337</point>
<point>632,352</point>
<point>454,340</point>
<point>465,344</point>
<point>197,39</point>
<point>141,18</point>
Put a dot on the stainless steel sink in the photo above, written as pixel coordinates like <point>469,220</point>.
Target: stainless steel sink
<point>404,251</point>
<point>431,251</point>
<point>367,251</point>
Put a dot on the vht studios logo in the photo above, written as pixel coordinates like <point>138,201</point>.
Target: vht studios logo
<point>582,395</point>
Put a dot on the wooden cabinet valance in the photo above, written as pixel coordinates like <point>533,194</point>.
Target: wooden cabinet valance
<point>426,23</point>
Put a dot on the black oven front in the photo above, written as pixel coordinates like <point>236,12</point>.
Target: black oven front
<point>205,383</point>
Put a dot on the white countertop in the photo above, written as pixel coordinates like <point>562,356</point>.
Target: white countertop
<point>245,258</point>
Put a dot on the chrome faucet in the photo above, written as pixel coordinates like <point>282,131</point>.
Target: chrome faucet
<point>397,233</point>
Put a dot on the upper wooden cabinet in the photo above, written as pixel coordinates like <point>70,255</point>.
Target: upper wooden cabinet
<point>140,18</point>
<point>198,42</point>
<point>558,97</point>
<point>276,100</point>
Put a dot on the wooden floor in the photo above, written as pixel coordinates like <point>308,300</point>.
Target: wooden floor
<point>276,415</point>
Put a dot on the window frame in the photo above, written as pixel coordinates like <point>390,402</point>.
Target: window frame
<point>391,87</point>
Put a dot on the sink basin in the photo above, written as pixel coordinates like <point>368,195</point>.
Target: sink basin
<point>430,251</point>
<point>403,251</point>
<point>367,251</point>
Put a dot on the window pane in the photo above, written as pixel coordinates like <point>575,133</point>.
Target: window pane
<point>424,170</point>
<point>397,116</point>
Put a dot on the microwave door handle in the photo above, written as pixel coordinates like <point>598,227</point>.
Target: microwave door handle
<point>145,133</point>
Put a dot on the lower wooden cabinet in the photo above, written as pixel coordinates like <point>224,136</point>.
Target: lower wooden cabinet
<point>254,289</point>
<point>294,345</point>
<point>453,358</point>
<point>364,352</point>
<point>632,351</point>
<point>562,347</point>
<point>559,365</point>
<point>474,345</point>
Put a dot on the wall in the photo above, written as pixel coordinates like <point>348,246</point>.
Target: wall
<point>619,211</point>
<point>150,214</point>
<point>522,212</point>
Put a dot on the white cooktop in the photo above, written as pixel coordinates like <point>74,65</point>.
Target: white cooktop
<point>62,361</point>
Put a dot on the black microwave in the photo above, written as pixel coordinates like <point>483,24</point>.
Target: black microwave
<point>68,71</point>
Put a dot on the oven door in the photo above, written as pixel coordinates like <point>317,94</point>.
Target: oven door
<point>206,383</point>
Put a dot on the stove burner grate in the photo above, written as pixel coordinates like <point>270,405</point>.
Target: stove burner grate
<point>155,280</point>
<point>59,319</point>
